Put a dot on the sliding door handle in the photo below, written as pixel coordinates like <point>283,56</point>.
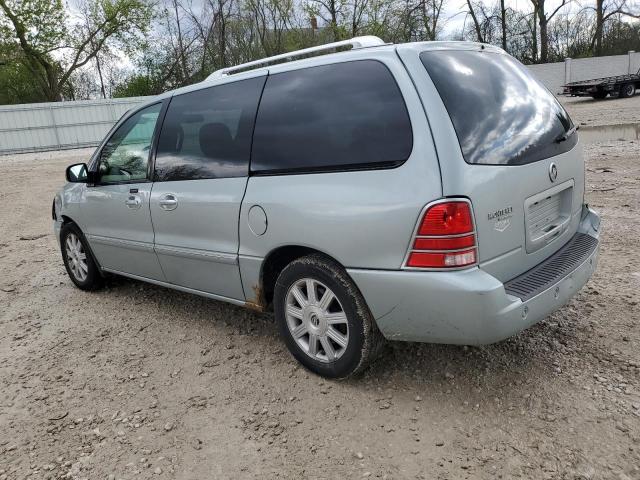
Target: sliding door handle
<point>168,202</point>
<point>133,201</point>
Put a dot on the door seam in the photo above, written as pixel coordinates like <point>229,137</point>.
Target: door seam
<point>153,228</point>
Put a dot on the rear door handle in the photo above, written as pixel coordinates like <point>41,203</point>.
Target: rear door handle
<point>133,202</point>
<point>168,202</point>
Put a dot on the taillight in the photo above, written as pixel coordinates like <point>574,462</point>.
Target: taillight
<point>445,237</point>
<point>450,218</point>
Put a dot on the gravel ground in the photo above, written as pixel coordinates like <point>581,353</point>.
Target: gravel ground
<point>610,111</point>
<point>138,381</point>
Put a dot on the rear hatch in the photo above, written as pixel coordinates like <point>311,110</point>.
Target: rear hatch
<point>519,160</point>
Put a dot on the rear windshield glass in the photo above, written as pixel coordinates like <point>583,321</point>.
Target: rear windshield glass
<point>501,114</point>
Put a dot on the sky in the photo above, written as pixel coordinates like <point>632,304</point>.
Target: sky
<point>455,10</point>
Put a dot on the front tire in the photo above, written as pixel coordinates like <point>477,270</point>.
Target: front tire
<point>323,318</point>
<point>78,260</point>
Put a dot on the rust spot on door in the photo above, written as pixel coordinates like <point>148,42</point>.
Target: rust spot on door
<point>257,304</point>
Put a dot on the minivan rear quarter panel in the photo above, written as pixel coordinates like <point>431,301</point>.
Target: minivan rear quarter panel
<point>363,218</point>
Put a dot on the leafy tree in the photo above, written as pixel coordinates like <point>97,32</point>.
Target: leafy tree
<point>16,85</point>
<point>620,37</point>
<point>54,46</point>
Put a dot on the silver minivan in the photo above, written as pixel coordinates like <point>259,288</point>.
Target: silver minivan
<point>429,192</point>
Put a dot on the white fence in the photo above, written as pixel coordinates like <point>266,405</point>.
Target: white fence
<point>60,125</point>
<point>56,126</point>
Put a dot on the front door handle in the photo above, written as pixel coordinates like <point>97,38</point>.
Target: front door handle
<point>133,202</point>
<point>168,202</point>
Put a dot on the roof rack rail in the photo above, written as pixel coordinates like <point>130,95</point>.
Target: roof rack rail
<point>356,42</point>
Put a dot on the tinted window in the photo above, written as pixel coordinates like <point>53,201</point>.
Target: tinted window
<point>125,156</point>
<point>345,115</point>
<point>501,114</point>
<point>207,133</point>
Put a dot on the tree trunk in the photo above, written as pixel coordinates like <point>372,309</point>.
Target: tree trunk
<point>599,27</point>
<point>54,87</point>
<point>222,35</point>
<point>475,22</point>
<point>544,36</point>
<point>534,32</point>
<point>503,18</point>
<point>334,20</point>
<point>181,52</point>
<point>102,90</point>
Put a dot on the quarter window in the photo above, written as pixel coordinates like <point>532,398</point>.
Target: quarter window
<point>331,117</point>
<point>125,156</point>
<point>207,133</point>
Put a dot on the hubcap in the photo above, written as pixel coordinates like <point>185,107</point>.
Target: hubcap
<point>316,320</point>
<point>76,257</point>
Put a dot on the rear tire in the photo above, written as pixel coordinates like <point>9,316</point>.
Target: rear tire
<point>78,259</point>
<point>323,318</point>
<point>599,95</point>
<point>627,91</point>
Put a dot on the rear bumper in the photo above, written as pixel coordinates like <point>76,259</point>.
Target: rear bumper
<point>470,307</point>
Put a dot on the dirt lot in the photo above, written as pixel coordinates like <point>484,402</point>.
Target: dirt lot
<point>612,111</point>
<point>138,381</point>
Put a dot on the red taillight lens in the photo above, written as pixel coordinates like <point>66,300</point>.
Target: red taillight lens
<point>445,237</point>
<point>452,243</point>
<point>451,218</point>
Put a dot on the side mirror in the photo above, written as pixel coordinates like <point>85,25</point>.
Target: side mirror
<point>77,173</point>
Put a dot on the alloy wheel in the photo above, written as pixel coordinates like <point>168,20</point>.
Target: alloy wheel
<point>76,257</point>
<point>316,320</point>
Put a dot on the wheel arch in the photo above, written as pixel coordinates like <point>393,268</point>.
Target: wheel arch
<point>274,262</point>
<point>67,220</point>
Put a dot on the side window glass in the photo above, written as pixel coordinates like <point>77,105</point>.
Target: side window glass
<point>207,133</point>
<point>125,156</point>
<point>331,117</point>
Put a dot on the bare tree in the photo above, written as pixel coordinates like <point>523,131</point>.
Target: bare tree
<point>331,12</point>
<point>604,11</point>
<point>503,24</point>
<point>487,22</point>
<point>570,35</point>
<point>358,10</point>
<point>431,10</point>
<point>476,22</point>
<point>543,21</point>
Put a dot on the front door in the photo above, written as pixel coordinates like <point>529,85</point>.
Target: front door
<point>117,221</point>
<point>201,172</point>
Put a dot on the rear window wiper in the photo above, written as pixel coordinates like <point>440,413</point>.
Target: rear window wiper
<point>567,134</point>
